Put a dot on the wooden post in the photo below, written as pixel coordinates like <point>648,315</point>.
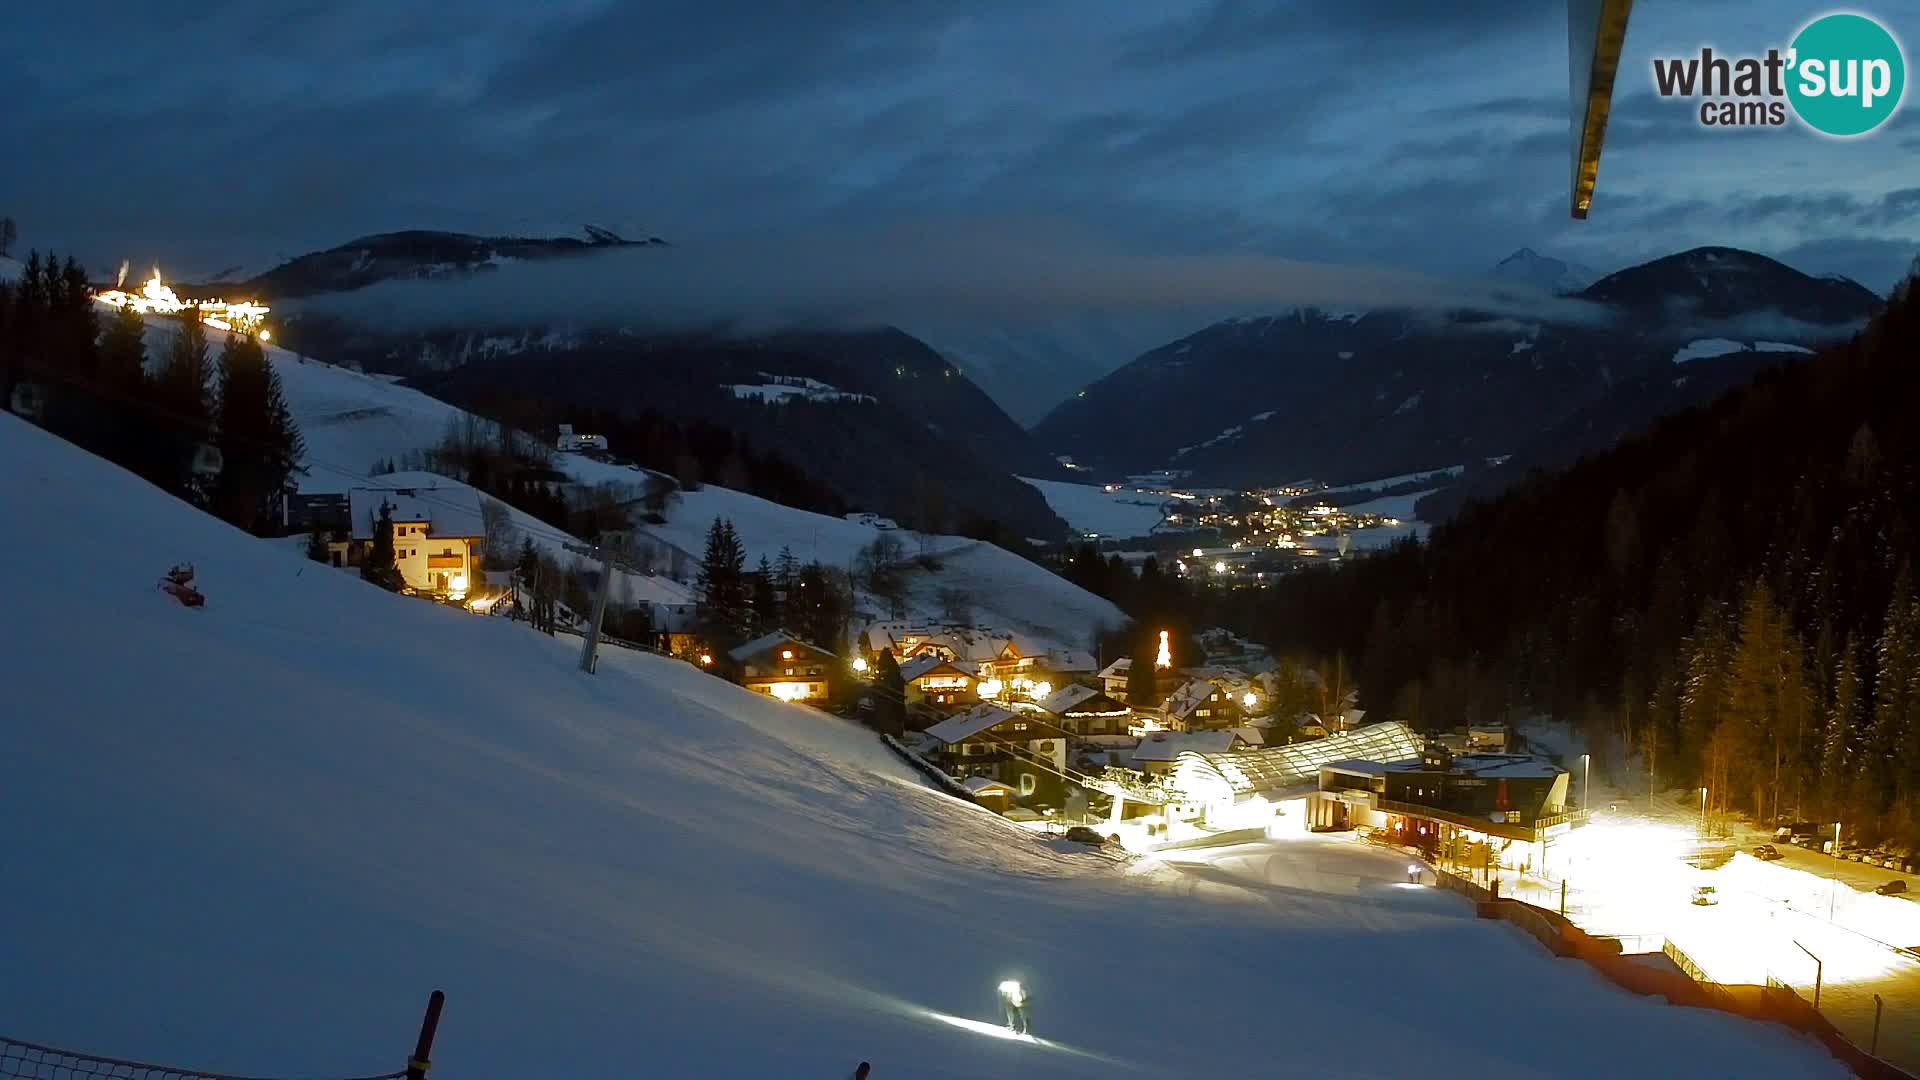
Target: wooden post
<point>1874,1047</point>
<point>421,1061</point>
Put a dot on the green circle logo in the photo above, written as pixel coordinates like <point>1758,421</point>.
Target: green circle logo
<point>1847,74</point>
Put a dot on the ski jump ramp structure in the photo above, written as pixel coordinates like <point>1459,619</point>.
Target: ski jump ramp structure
<point>1596,34</point>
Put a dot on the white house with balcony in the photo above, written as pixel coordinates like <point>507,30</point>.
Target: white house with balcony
<point>437,534</point>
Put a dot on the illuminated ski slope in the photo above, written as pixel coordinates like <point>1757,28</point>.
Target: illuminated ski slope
<point>249,838</point>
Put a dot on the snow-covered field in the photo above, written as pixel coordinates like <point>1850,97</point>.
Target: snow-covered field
<point>1706,348</point>
<point>1448,473</point>
<point>1091,508</point>
<point>351,420</point>
<point>249,838</point>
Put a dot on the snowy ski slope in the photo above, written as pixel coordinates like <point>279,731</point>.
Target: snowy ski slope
<point>249,838</point>
<point>351,420</point>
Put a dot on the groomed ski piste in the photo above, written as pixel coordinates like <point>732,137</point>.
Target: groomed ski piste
<point>248,838</point>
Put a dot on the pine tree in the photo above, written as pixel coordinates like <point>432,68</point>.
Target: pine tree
<point>259,444</point>
<point>889,696</point>
<point>378,565</point>
<point>1893,743</point>
<point>183,401</point>
<point>720,590</point>
<point>765,603</point>
<point>818,608</point>
<point>9,362</point>
<point>123,381</point>
<point>1838,734</point>
<point>1703,697</point>
<point>70,356</point>
<point>1143,678</point>
<point>786,571</point>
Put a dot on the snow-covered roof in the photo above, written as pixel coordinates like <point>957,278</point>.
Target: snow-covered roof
<point>1066,698</point>
<point>767,641</point>
<point>1281,768</point>
<point>1169,745</point>
<point>1118,669</point>
<point>1508,766</point>
<point>981,785</point>
<point>446,511</point>
<point>1069,660</point>
<point>1185,700</point>
<point>968,724</point>
<point>1251,734</point>
<point>924,665</point>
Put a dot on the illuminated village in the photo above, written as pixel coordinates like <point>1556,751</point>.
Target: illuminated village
<point>158,298</point>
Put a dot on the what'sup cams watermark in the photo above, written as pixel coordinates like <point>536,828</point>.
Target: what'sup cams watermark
<point>1843,75</point>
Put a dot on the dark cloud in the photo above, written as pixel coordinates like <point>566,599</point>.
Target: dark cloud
<point>1398,133</point>
<point>996,272</point>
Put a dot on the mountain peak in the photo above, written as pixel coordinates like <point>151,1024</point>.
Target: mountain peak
<point>1529,267</point>
<point>1712,282</point>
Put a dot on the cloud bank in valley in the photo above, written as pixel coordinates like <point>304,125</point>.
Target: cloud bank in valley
<point>906,276</point>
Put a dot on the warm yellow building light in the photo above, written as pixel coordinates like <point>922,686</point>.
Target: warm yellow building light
<point>860,663</point>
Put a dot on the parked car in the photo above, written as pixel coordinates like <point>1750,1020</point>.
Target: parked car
<point>1892,888</point>
<point>1766,852</point>
<point>1892,862</point>
<point>1703,896</point>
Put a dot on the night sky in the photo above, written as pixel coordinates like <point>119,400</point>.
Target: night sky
<point>1403,134</point>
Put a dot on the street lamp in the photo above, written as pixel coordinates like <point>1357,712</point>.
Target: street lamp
<point>1833,887</point>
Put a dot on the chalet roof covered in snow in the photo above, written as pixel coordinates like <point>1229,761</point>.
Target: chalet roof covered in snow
<point>982,785</point>
<point>968,724</point>
<point>926,665</point>
<point>446,511</point>
<point>1186,700</point>
<point>1069,660</point>
<point>1169,745</point>
<point>748,651</point>
<point>1077,700</point>
<point>1118,669</point>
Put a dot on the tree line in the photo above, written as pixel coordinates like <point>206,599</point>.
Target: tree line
<point>734,604</point>
<point>215,433</point>
<point>1726,600</point>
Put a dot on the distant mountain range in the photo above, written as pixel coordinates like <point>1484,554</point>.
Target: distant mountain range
<point>421,254</point>
<point>878,416</point>
<point>1356,395</point>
